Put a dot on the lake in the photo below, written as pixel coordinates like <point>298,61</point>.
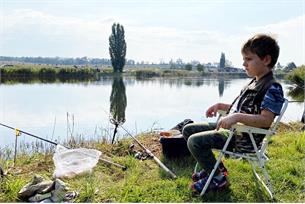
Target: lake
<point>58,110</point>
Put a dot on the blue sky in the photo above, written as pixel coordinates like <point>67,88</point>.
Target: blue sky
<point>155,30</point>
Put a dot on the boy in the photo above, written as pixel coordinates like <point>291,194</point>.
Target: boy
<point>257,105</point>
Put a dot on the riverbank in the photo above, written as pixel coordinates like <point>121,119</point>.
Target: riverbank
<point>46,74</point>
<point>31,73</point>
<point>144,181</point>
<point>35,73</point>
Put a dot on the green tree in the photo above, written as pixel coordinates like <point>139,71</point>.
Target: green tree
<point>188,67</point>
<point>199,67</point>
<point>297,78</point>
<point>117,47</point>
<point>222,61</point>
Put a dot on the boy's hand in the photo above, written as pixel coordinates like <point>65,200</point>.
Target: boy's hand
<point>227,121</point>
<point>212,111</point>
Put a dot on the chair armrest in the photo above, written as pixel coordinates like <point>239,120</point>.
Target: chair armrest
<point>244,128</point>
<point>222,112</point>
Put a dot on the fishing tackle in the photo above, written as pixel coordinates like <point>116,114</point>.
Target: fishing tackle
<point>54,143</point>
<point>148,152</point>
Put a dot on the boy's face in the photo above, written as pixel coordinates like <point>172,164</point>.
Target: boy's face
<point>255,66</point>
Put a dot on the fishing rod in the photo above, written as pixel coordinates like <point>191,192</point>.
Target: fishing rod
<point>18,131</point>
<point>147,151</point>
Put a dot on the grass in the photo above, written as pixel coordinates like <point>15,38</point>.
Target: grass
<point>30,73</point>
<point>144,181</point>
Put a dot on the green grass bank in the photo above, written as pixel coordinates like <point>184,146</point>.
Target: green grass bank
<point>144,181</point>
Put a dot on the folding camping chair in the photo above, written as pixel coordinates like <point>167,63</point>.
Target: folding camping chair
<point>256,159</point>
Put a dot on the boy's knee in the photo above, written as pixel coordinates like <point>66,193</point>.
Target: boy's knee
<point>186,131</point>
<point>199,142</point>
<point>190,143</point>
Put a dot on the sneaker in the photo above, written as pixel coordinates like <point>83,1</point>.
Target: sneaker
<point>200,175</point>
<point>217,183</point>
<point>198,186</point>
<point>223,169</point>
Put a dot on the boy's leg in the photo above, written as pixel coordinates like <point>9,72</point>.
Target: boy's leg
<point>193,128</point>
<point>201,145</point>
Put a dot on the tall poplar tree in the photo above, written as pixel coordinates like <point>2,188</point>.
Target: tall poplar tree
<point>117,47</point>
<point>222,61</point>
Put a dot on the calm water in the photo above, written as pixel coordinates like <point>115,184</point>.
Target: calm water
<point>42,109</point>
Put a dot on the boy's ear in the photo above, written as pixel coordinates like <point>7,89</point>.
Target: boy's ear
<point>267,60</point>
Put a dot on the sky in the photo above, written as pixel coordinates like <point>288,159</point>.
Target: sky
<point>155,30</point>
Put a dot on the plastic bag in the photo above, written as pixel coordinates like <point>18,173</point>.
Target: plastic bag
<point>71,162</point>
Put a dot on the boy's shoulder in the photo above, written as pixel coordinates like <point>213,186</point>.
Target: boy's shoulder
<point>276,84</point>
<point>275,89</point>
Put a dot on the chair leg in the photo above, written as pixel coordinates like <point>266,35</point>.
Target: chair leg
<point>267,184</point>
<point>196,167</point>
<point>261,165</point>
<point>221,154</point>
<point>211,174</point>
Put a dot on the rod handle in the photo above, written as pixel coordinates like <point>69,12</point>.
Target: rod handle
<point>164,167</point>
<point>115,164</point>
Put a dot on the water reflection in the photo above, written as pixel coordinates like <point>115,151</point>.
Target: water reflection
<point>221,82</point>
<point>162,101</point>
<point>118,102</point>
<point>221,86</point>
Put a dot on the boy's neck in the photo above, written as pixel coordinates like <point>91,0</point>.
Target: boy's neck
<point>258,77</point>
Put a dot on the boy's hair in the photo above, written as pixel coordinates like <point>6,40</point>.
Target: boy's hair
<point>263,45</point>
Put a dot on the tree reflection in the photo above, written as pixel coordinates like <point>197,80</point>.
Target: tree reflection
<point>118,102</point>
<point>221,86</point>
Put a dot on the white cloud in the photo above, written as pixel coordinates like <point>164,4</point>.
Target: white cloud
<point>290,35</point>
<point>35,26</point>
<point>35,33</point>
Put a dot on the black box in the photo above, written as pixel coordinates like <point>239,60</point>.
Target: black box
<point>174,146</point>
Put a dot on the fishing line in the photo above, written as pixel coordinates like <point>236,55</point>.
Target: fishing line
<point>54,143</point>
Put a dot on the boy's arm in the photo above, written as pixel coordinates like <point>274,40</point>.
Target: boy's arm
<point>265,119</point>
<point>212,111</point>
<point>271,106</point>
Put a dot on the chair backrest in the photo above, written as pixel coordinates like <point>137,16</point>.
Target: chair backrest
<point>279,117</point>
<point>274,126</point>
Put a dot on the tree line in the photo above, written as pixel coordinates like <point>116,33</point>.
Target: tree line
<point>59,60</point>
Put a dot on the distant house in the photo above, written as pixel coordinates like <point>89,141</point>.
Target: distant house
<point>232,69</point>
